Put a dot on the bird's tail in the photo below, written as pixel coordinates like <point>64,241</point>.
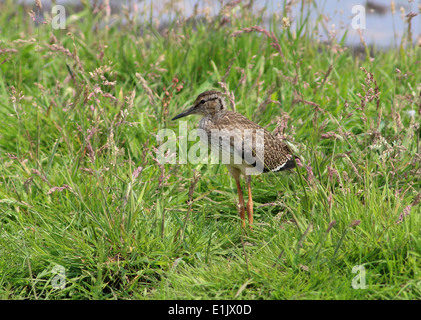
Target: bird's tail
<point>290,164</point>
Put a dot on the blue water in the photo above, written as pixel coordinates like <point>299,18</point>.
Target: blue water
<point>383,30</point>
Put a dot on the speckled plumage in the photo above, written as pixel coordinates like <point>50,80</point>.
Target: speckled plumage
<point>250,149</point>
<point>277,155</point>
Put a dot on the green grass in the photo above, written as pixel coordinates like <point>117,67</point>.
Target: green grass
<point>75,115</point>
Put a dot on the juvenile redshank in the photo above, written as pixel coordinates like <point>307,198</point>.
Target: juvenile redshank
<point>245,147</point>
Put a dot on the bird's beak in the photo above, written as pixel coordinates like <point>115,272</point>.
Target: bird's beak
<point>185,113</point>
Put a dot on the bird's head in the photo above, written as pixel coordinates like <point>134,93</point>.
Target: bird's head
<point>208,103</point>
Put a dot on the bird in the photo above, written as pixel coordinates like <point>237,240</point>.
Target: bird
<point>247,148</point>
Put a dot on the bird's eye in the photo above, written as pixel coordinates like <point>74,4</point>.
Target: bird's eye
<point>202,101</point>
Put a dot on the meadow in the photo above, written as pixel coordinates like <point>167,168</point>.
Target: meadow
<point>87,211</point>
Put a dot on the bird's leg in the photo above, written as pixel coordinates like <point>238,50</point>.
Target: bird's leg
<point>241,201</point>
<point>249,202</point>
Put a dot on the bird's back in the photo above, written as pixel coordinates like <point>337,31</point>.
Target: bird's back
<point>275,153</point>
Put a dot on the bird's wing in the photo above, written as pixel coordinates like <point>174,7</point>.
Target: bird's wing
<point>243,141</point>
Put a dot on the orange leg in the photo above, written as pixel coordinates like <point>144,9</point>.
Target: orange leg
<point>241,201</point>
<point>249,202</point>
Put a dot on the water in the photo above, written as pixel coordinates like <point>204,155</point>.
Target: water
<point>382,29</point>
